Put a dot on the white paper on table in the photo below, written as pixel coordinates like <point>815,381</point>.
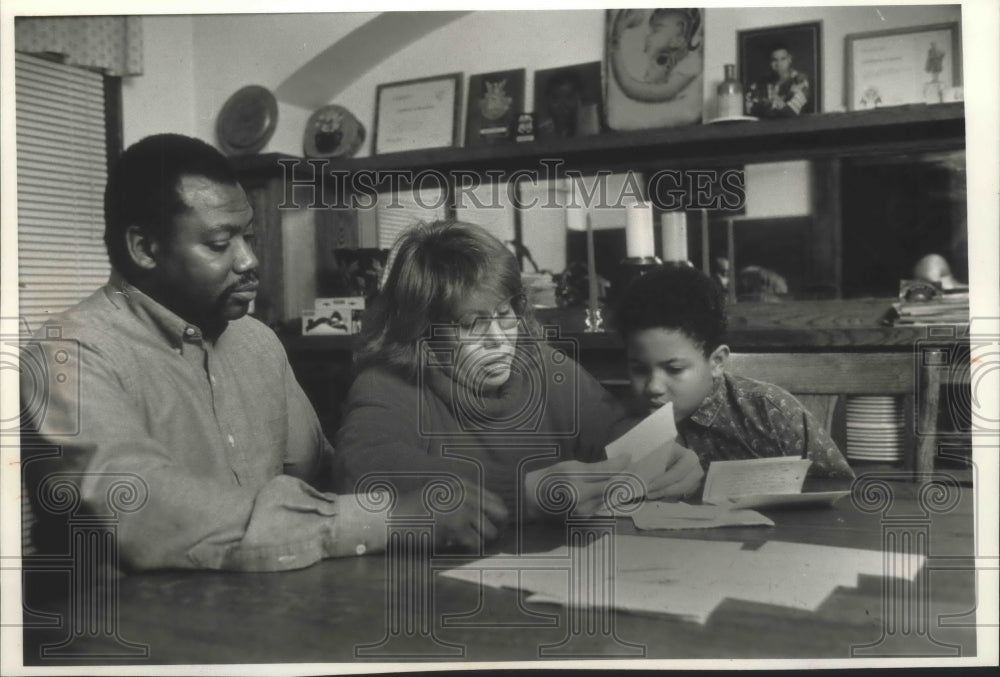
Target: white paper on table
<point>687,603</point>
<point>744,575</point>
<point>663,515</point>
<point>659,575</point>
<point>827,498</point>
<point>782,577</point>
<point>756,476</point>
<point>853,561</point>
<point>675,558</point>
<point>647,444</point>
<point>536,572</point>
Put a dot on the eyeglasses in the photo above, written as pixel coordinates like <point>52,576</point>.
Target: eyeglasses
<point>506,315</point>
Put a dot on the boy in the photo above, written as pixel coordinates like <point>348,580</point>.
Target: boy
<point>673,323</point>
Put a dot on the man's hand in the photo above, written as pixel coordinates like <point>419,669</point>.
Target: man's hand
<point>681,477</point>
<point>588,482</point>
<point>478,519</point>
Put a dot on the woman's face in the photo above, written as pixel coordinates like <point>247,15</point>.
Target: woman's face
<point>487,335</point>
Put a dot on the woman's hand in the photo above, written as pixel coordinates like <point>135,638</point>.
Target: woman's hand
<point>681,477</point>
<point>478,520</point>
<point>585,481</point>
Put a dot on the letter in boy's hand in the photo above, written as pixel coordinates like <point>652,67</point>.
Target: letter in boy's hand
<point>668,470</point>
<point>681,477</point>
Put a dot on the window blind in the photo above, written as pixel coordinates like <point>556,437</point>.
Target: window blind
<point>408,209</point>
<point>61,172</point>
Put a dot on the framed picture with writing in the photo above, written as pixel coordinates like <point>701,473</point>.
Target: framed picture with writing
<point>417,114</point>
<point>901,66</point>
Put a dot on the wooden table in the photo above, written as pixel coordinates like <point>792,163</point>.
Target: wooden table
<point>326,612</point>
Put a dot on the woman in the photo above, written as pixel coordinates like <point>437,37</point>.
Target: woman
<point>454,377</point>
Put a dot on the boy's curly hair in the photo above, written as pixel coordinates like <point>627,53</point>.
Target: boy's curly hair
<point>678,298</point>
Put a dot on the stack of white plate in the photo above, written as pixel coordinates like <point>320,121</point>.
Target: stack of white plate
<point>875,428</point>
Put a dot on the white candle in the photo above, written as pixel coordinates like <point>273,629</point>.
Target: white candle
<point>675,241</point>
<point>576,218</point>
<point>639,231</point>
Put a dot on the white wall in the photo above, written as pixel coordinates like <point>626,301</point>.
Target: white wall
<point>162,99</point>
<point>232,51</point>
<point>193,64</point>
<point>482,42</point>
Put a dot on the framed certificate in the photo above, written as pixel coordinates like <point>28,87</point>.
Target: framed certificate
<point>417,114</point>
<point>906,65</point>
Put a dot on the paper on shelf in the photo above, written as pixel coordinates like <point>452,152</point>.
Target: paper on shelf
<point>663,515</point>
<point>756,476</point>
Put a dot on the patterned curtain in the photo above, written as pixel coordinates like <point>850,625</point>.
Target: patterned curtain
<point>112,44</point>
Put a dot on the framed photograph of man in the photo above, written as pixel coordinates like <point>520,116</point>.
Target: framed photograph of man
<point>780,68</point>
<point>568,101</point>
<point>495,102</point>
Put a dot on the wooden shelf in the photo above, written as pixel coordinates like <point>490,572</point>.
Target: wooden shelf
<point>896,129</point>
<point>849,325</point>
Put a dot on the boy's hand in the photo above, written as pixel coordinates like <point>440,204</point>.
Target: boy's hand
<point>681,477</point>
<point>588,482</point>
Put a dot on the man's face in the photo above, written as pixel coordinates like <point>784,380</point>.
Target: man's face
<point>665,365</point>
<point>564,101</point>
<point>781,61</point>
<point>206,269</point>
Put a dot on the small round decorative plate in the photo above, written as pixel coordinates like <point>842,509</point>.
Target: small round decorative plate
<point>247,120</point>
<point>333,131</point>
<point>733,118</point>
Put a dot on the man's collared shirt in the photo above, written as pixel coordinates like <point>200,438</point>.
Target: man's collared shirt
<point>742,418</point>
<point>218,438</point>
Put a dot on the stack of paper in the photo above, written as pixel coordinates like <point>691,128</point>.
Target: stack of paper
<point>685,578</point>
<point>925,303</point>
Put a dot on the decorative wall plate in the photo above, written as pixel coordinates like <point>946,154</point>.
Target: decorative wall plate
<point>247,120</point>
<point>333,131</point>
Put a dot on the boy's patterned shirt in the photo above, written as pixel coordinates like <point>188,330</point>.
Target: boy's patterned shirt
<point>742,418</point>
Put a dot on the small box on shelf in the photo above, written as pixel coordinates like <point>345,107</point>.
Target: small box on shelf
<point>332,316</point>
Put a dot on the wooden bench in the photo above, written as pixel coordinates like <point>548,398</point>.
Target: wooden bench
<point>819,379</point>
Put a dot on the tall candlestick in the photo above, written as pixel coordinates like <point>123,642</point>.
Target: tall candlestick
<point>706,266</point>
<point>593,311</point>
<point>731,255</point>
<point>639,231</point>
<point>674,230</point>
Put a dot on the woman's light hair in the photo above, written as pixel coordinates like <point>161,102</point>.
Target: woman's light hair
<point>433,268</point>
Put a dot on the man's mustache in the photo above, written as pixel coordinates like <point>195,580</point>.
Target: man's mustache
<point>248,282</point>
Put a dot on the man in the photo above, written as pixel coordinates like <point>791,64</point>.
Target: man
<point>164,384</point>
<point>783,93</point>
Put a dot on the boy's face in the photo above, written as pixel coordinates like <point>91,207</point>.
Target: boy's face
<point>665,365</point>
